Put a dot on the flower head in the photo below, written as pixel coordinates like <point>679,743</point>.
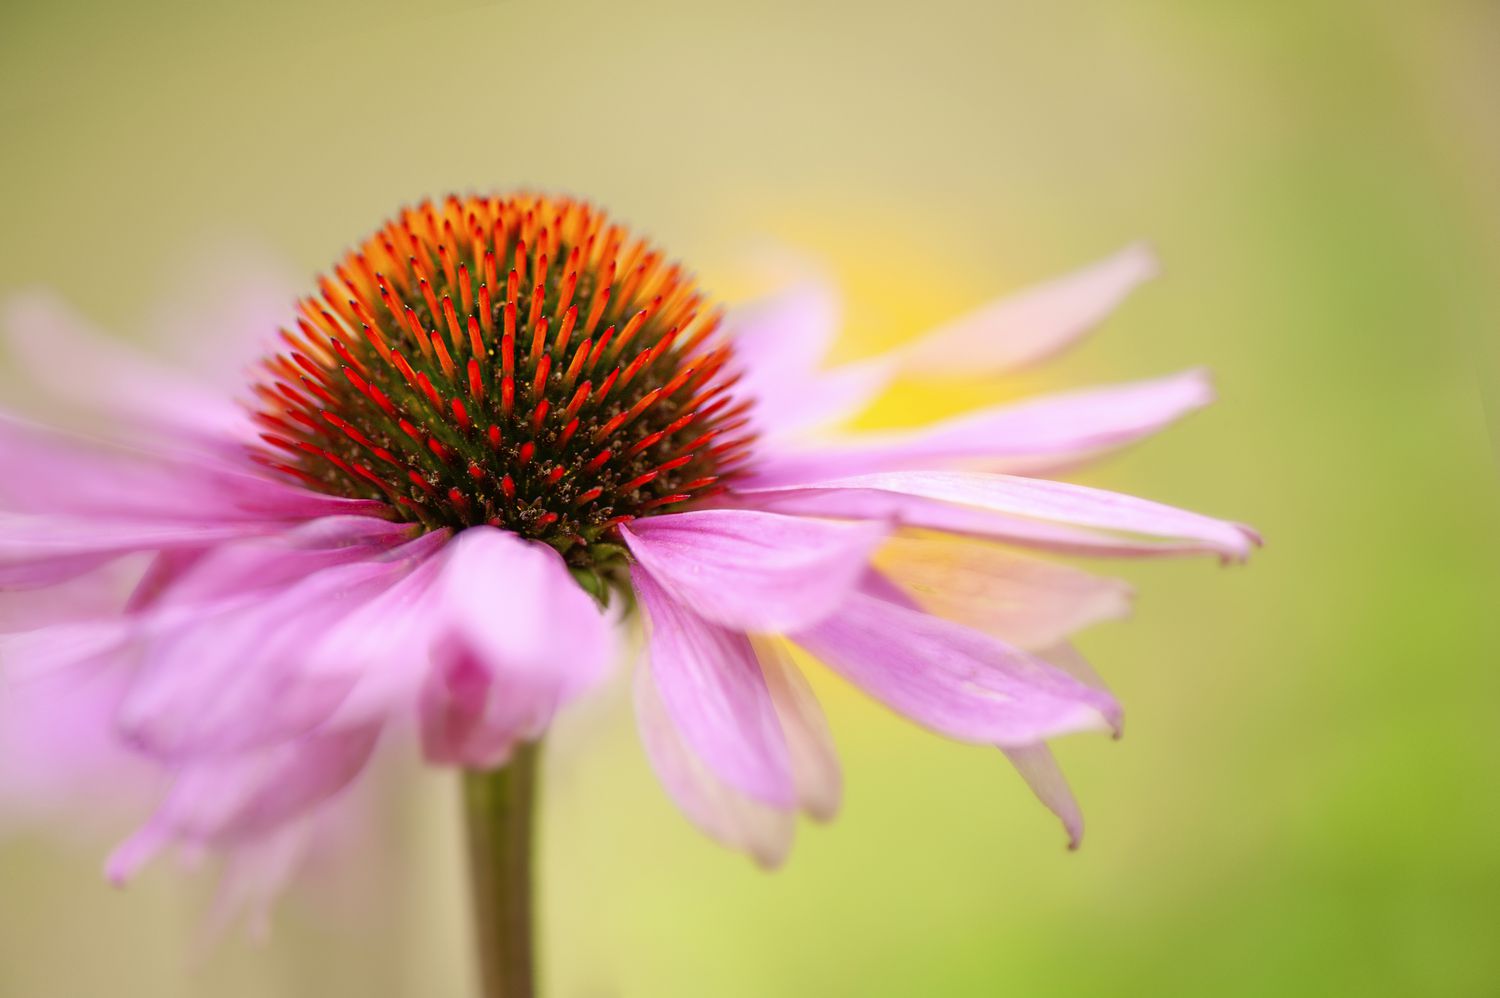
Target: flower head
<point>496,413</point>
<point>518,362</point>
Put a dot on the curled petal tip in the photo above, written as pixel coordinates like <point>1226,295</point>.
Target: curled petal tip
<point>822,812</point>
<point>769,862</point>
<point>1114,720</point>
<point>135,852</point>
<point>1073,825</point>
<point>1110,712</point>
<point>1251,540</point>
<point>1039,769</point>
<point>122,864</point>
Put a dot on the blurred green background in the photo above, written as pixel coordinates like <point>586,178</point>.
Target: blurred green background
<point>1308,798</point>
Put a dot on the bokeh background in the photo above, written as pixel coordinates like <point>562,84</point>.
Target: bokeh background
<point>1308,799</point>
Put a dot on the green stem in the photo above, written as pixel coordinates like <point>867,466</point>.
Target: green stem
<point>499,809</point>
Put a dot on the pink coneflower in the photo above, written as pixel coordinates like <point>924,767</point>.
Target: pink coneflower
<point>500,424</point>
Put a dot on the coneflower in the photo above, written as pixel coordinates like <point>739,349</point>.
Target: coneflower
<point>500,425</point>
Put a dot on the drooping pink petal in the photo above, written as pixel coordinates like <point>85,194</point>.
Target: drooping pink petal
<point>1024,601</point>
<point>815,764</point>
<point>225,644</point>
<point>951,678</point>
<point>519,640</point>
<point>216,801</point>
<point>83,597</point>
<point>256,872</point>
<point>1057,432</point>
<point>786,334</point>
<point>931,514</point>
<point>58,744</point>
<point>723,813</point>
<point>82,503</point>
<point>1060,502</point>
<point>716,696</point>
<point>1039,769</point>
<point>265,563</point>
<point>514,601</point>
<point>84,643</point>
<point>63,673</point>
<point>1028,437</point>
<point>242,293</point>
<point>61,352</point>
<point>823,399</point>
<point>382,650</point>
<point>780,344</point>
<point>753,571</point>
<point>38,550</point>
<point>72,475</point>
<point>1031,326</point>
<point>229,674</point>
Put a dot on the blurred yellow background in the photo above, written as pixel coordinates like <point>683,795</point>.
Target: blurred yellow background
<point>1306,801</point>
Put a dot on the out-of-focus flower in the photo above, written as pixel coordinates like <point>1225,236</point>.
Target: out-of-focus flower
<point>499,418</point>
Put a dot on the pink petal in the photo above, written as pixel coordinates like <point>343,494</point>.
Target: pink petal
<point>230,674</point>
<point>724,814</point>
<point>1029,327</point>
<point>1071,504</point>
<point>58,745</point>
<point>75,644</point>
<point>1021,600</point>
<point>753,571</point>
<point>243,293</point>
<point>81,503</point>
<point>83,597</point>
<point>69,475</point>
<point>515,601</point>
<point>929,514</point>
<point>1029,437</point>
<point>45,550</point>
<point>1039,769</point>
<point>256,872</point>
<point>520,639</point>
<point>780,343</point>
<point>72,475</point>
<point>235,798</point>
<point>381,651</point>
<point>815,764</point>
<point>716,696</point>
<point>61,352</point>
<point>287,557</point>
<point>786,334</point>
<point>952,679</point>
<point>822,399</point>
<point>226,645</point>
<point>1059,431</point>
